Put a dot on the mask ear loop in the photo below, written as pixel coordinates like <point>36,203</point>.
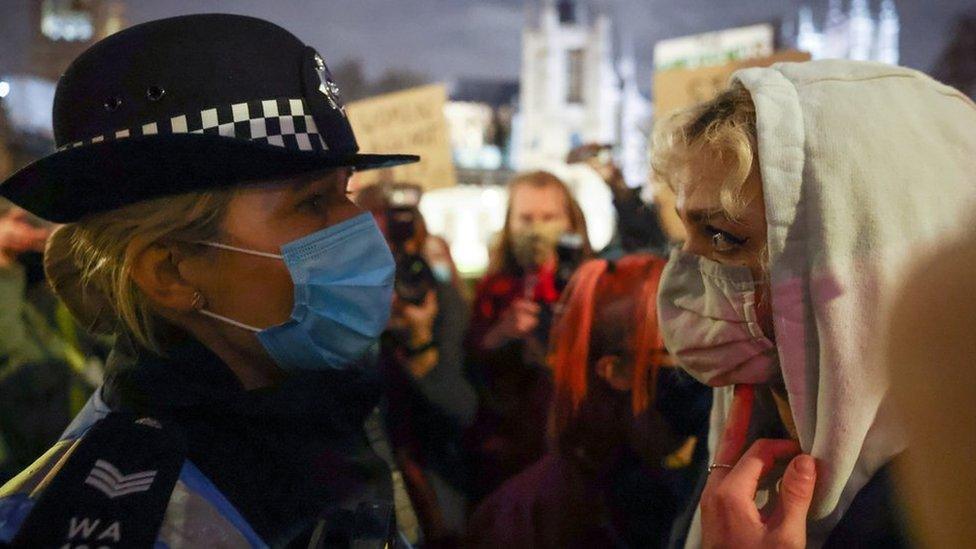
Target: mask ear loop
<point>230,321</point>
<point>198,304</point>
<point>236,249</point>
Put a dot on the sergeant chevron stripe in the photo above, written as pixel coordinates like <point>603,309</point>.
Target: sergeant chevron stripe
<point>108,480</point>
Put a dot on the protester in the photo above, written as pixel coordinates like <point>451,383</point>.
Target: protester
<point>804,188</point>
<point>624,427</point>
<point>430,402</point>
<point>47,368</point>
<point>510,325</point>
<point>235,399</point>
<point>638,223</point>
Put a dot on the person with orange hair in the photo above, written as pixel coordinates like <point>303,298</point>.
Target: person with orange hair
<point>623,427</point>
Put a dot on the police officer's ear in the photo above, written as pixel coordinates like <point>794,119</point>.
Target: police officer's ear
<point>154,267</point>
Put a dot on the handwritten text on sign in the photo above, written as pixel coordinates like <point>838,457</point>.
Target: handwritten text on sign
<point>406,122</point>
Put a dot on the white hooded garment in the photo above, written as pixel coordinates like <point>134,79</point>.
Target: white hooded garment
<point>863,165</point>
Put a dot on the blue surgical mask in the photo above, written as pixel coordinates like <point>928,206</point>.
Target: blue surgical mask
<point>343,279</point>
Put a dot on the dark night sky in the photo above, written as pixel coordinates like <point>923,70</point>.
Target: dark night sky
<point>447,39</point>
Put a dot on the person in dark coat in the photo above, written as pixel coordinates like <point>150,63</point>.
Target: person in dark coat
<point>510,322</point>
<point>48,368</point>
<point>429,401</point>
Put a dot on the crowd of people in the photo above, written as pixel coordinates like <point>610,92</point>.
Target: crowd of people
<point>207,340</point>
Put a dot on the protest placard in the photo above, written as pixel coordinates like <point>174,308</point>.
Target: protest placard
<point>410,122</point>
<point>677,88</point>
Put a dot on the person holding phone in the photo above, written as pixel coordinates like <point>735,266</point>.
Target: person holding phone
<point>429,401</point>
<point>512,314</point>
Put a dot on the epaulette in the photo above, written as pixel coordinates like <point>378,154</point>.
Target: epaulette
<point>112,489</point>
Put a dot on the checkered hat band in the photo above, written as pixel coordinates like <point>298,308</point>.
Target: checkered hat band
<point>282,122</point>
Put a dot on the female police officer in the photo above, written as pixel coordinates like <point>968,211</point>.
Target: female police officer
<point>201,170</point>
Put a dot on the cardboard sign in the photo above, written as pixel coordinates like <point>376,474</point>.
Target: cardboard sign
<point>678,88</point>
<point>714,48</point>
<point>406,122</point>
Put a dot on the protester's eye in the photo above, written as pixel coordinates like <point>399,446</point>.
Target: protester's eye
<point>723,241</point>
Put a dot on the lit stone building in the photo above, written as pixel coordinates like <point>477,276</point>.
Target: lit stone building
<point>574,90</point>
<point>854,34</point>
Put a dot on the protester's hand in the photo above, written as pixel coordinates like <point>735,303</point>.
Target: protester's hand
<point>729,515</point>
<point>416,320</point>
<point>18,235</point>
<point>597,156</point>
<point>516,322</point>
<point>612,176</point>
<point>416,325</point>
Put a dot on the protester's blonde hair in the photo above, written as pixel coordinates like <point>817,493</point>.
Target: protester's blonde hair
<point>88,263</point>
<point>721,131</point>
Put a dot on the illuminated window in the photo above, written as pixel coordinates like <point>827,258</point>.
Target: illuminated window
<point>68,20</point>
<point>568,14</point>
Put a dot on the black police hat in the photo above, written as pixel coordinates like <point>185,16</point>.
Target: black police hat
<point>188,103</point>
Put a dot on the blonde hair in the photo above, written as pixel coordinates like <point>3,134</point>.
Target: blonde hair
<point>722,131</point>
<point>503,254</point>
<point>88,263</point>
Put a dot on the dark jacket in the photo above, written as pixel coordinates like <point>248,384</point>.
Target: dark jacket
<point>426,417</point>
<point>513,382</point>
<point>47,369</point>
<point>262,466</point>
<point>638,227</point>
<point>619,500</point>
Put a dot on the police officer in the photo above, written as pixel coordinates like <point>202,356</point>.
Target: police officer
<point>201,172</point>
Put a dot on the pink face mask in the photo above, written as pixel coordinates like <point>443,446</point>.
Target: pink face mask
<point>707,315</point>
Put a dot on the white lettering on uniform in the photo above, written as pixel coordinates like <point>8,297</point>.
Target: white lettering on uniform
<point>114,532</point>
<point>85,526</point>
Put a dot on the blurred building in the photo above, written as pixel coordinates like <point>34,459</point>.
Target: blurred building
<point>60,30</point>
<point>856,33</point>
<point>636,119</point>
<point>63,29</point>
<point>575,90</point>
<point>479,117</point>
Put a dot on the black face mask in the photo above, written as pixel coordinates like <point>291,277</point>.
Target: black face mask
<point>33,263</point>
